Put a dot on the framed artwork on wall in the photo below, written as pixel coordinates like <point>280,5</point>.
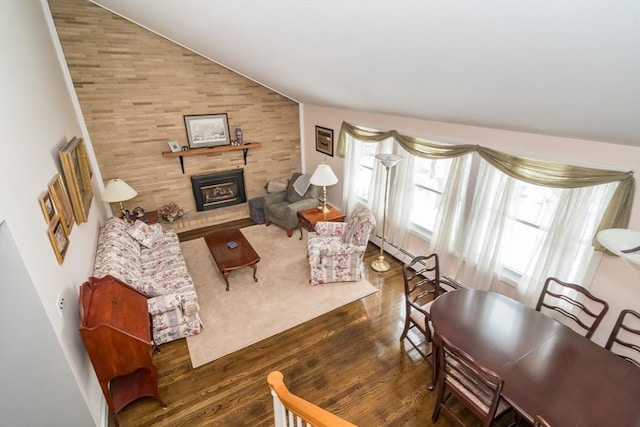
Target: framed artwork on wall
<point>62,203</point>
<point>77,175</point>
<point>207,130</point>
<point>46,203</point>
<point>59,238</point>
<point>324,140</point>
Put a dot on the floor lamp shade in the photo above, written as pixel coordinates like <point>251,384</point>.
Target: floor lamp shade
<point>117,191</point>
<point>322,177</point>
<point>388,161</point>
<point>623,242</point>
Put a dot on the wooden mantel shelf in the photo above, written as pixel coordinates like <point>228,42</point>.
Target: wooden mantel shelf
<point>218,149</point>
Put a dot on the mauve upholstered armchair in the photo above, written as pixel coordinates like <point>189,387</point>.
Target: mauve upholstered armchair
<point>336,249</point>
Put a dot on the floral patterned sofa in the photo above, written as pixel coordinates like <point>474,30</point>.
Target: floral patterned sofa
<point>335,250</point>
<point>151,261</point>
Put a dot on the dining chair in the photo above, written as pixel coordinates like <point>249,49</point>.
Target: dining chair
<point>584,310</point>
<point>472,384</point>
<point>421,278</point>
<point>538,421</point>
<point>622,332</point>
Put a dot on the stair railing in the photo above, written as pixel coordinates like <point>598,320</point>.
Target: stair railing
<point>290,410</point>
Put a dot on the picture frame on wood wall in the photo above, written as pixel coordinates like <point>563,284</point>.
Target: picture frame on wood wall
<point>207,130</point>
<point>62,203</point>
<point>77,175</point>
<point>59,238</point>
<point>324,140</point>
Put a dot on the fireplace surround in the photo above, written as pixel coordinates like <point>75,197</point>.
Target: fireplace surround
<point>218,189</point>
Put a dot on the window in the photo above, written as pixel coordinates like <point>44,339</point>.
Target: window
<point>527,222</point>
<point>364,174</point>
<point>430,177</point>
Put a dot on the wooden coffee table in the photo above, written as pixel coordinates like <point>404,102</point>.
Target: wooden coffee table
<point>227,259</point>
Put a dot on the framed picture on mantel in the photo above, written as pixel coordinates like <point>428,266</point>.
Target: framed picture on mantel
<point>207,130</point>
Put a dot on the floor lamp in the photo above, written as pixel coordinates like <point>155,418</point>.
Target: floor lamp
<point>388,161</point>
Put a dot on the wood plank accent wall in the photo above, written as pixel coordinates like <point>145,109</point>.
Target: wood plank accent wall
<point>134,88</point>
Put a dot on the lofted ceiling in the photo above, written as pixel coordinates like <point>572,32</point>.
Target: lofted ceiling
<point>555,67</point>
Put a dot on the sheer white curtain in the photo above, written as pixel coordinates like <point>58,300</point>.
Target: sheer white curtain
<point>352,159</point>
<point>566,251</point>
<point>401,188</point>
<point>447,231</point>
<point>478,265</point>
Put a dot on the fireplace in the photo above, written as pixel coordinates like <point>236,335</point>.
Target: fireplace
<point>219,189</point>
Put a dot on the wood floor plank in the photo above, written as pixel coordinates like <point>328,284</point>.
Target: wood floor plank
<point>350,362</point>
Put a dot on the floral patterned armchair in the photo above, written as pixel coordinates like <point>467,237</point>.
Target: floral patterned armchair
<point>335,250</point>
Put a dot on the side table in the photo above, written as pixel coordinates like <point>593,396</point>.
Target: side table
<point>309,217</point>
<point>150,217</point>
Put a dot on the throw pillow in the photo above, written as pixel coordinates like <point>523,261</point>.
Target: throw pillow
<point>144,233</point>
<point>278,184</point>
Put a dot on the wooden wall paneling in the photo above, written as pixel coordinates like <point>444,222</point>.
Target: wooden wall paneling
<point>134,88</point>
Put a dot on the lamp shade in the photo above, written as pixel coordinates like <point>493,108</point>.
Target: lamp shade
<point>118,191</point>
<point>619,240</point>
<point>323,176</point>
<point>388,160</point>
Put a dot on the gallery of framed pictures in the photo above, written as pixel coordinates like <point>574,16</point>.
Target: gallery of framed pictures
<point>58,214</point>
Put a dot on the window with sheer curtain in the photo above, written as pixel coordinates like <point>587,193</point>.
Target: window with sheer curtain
<point>487,226</point>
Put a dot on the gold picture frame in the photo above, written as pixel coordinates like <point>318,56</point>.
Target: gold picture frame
<point>77,175</point>
<point>59,238</point>
<point>47,205</point>
<point>62,203</point>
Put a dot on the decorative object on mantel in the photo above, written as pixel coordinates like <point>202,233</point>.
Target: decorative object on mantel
<point>171,212</point>
<point>388,161</point>
<point>118,191</point>
<point>324,140</point>
<point>223,148</point>
<point>322,177</point>
<point>207,130</point>
<point>623,242</point>
<point>77,175</point>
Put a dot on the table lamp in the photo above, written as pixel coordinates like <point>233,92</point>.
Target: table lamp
<point>117,191</point>
<point>323,176</point>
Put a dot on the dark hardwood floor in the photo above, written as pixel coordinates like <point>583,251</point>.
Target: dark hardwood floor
<point>349,361</point>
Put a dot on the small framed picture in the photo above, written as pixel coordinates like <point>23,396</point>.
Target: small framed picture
<point>324,140</point>
<point>46,203</point>
<point>59,238</point>
<point>207,130</point>
<point>174,146</point>
<point>60,198</point>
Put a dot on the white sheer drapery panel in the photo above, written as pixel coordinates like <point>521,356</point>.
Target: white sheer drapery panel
<point>566,251</point>
<point>401,196</point>
<point>447,232</point>
<point>478,265</point>
<point>350,175</point>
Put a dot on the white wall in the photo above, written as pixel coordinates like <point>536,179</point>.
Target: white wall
<point>615,281</point>
<point>38,116</point>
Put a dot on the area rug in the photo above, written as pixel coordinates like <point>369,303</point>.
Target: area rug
<point>252,311</point>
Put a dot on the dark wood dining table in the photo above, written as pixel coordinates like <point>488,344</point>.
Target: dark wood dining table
<point>547,368</point>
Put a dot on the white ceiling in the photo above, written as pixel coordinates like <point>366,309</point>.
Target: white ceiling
<point>556,67</point>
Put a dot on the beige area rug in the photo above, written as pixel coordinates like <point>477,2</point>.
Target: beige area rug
<point>252,311</point>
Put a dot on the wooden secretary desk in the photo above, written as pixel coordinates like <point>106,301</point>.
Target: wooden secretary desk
<point>116,331</point>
